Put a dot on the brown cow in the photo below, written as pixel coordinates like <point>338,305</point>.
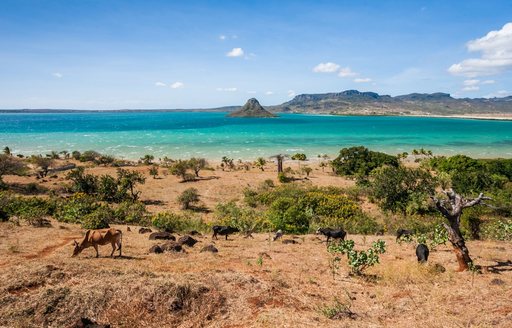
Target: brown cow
<point>100,237</point>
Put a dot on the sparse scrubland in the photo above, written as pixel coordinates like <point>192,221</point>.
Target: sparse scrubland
<point>371,279</point>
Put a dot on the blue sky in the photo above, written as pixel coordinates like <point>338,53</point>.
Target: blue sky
<point>99,54</point>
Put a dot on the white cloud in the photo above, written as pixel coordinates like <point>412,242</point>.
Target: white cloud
<point>177,85</point>
<point>227,89</point>
<point>499,94</point>
<point>471,88</point>
<point>268,93</point>
<point>291,93</point>
<point>488,82</point>
<point>346,72</point>
<point>363,80</point>
<point>326,68</point>
<point>58,75</point>
<point>222,37</point>
<point>160,84</point>
<point>471,82</point>
<point>235,52</point>
<point>496,54</point>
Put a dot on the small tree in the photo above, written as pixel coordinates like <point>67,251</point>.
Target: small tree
<point>10,165</point>
<point>179,169</point>
<point>260,163</point>
<point>86,183</point>
<point>43,163</point>
<point>127,180</point>
<point>307,170</point>
<point>227,163</point>
<point>53,155</point>
<point>65,154</point>
<point>153,171</point>
<point>299,157</point>
<point>76,155</point>
<point>7,151</point>
<point>188,196</point>
<point>147,159</point>
<point>197,164</point>
<point>451,209</point>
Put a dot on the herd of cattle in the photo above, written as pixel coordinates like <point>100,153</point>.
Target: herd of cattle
<point>100,237</point>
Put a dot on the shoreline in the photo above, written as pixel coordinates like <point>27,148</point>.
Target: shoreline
<point>483,116</point>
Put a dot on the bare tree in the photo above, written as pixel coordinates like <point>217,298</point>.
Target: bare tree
<point>451,209</point>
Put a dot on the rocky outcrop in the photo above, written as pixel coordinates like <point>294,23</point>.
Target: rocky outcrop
<point>252,108</point>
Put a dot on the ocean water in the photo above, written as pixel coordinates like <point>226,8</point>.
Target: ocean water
<point>131,135</point>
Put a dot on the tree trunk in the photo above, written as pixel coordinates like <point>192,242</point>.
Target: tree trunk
<point>279,165</point>
<point>459,246</point>
<point>452,211</point>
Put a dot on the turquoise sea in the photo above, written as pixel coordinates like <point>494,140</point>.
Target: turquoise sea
<point>130,135</point>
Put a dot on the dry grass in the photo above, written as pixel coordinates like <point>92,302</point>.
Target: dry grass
<point>249,283</point>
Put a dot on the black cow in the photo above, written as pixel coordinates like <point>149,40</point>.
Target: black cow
<point>223,231</point>
<point>403,233</point>
<point>422,253</point>
<point>332,233</point>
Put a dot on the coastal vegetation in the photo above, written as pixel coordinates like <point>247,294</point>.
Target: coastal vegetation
<point>369,194</point>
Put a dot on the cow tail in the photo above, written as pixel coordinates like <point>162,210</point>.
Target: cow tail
<point>121,242</point>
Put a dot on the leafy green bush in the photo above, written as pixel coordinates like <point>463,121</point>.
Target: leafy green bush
<point>401,189</point>
<point>358,261</point>
<point>168,221</point>
<point>361,161</point>
<point>293,208</point>
<point>107,189</point>
<point>72,210</point>
<point>187,197</point>
<point>417,223</point>
<point>469,175</point>
<point>98,219</point>
<point>498,229</point>
<point>245,219</point>
<point>437,236</point>
<point>82,182</point>
<point>89,156</point>
<point>129,212</point>
<point>33,210</point>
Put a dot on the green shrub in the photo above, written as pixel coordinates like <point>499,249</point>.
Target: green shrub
<point>245,219</point>
<point>89,156</point>
<point>433,238</point>
<point>498,229</point>
<point>361,161</point>
<point>33,210</point>
<point>417,223</point>
<point>98,219</point>
<point>107,189</point>
<point>83,183</point>
<point>296,209</point>
<point>72,210</point>
<point>168,221</point>
<point>129,212</point>
<point>187,197</point>
<point>283,178</point>
<point>358,261</point>
<point>401,189</point>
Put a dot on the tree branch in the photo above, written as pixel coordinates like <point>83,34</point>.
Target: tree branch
<point>476,201</point>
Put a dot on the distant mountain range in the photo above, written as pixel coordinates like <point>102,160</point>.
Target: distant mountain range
<point>353,102</point>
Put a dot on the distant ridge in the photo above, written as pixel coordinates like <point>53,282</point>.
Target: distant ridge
<point>252,108</point>
<point>353,102</point>
<point>349,102</point>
